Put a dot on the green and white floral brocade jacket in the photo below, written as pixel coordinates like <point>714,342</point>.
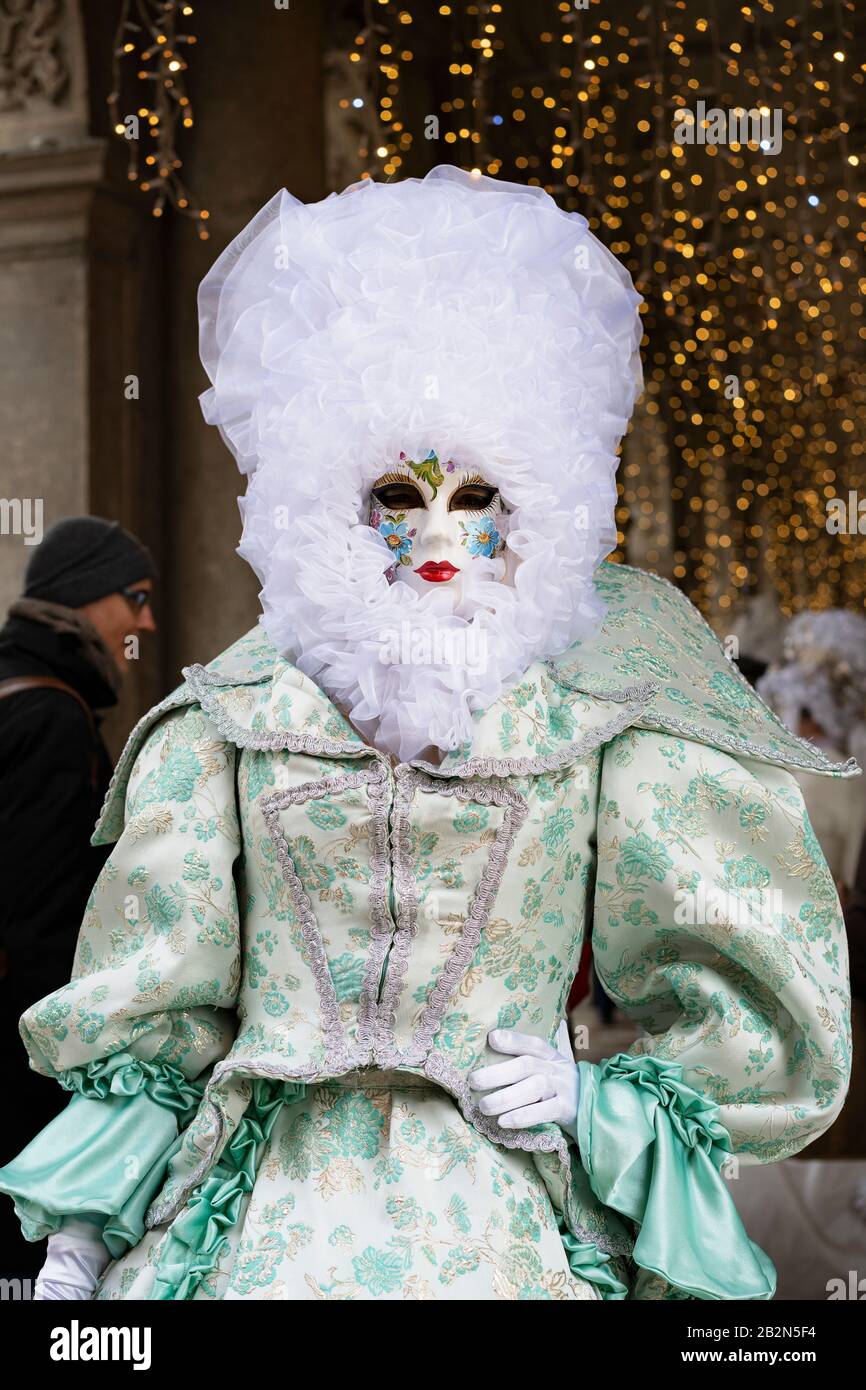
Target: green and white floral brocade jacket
<point>284,906</point>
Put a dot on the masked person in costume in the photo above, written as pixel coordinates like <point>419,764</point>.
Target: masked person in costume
<point>311,1035</point>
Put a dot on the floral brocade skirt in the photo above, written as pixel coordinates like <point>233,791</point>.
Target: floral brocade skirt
<point>371,1187</point>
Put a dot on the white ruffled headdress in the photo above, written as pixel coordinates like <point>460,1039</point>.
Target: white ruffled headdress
<point>453,313</point>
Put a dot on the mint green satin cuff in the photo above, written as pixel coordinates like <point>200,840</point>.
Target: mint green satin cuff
<point>125,1075</point>
<point>104,1156</point>
<point>652,1148</point>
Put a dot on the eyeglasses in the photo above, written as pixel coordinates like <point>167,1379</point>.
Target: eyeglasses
<point>139,597</point>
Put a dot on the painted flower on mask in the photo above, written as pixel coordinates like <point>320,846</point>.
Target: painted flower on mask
<point>398,538</point>
<point>480,537</point>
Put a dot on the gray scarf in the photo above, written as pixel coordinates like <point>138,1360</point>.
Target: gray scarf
<point>62,619</point>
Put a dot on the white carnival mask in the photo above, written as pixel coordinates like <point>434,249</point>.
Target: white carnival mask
<point>438,522</point>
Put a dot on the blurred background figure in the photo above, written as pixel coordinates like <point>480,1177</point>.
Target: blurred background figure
<point>819,690</point>
<point>87,594</point>
<point>757,631</point>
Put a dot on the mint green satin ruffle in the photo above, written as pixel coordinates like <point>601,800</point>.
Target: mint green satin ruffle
<point>104,1156</point>
<point>586,1261</point>
<point>652,1148</point>
<point>125,1075</point>
<point>195,1239</point>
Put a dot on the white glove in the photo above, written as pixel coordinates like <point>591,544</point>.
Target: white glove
<point>76,1258</point>
<point>540,1085</point>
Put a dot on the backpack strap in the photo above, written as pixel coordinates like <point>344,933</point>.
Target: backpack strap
<point>14,684</point>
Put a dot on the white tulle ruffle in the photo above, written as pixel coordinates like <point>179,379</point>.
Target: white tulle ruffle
<point>453,313</point>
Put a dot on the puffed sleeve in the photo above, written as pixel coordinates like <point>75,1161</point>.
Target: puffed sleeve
<point>151,1003</point>
<point>717,928</point>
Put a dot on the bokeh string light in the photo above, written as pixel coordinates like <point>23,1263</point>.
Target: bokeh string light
<point>383,47</point>
<point>148,38</point>
<point>748,258</point>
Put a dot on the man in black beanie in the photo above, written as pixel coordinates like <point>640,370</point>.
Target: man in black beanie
<point>63,651</point>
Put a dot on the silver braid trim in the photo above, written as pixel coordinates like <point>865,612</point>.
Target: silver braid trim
<point>338,1054</point>
<point>442,991</point>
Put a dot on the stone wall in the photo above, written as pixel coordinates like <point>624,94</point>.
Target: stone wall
<point>94,290</point>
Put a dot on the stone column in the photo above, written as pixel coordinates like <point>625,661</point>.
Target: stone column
<point>78,316</point>
<point>48,168</point>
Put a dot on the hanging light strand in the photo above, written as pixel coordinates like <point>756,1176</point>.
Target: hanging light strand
<point>149,42</point>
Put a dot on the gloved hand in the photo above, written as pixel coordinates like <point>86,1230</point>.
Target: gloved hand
<point>76,1258</point>
<point>540,1085</point>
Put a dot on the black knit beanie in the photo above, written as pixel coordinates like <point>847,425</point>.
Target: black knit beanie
<point>83,558</point>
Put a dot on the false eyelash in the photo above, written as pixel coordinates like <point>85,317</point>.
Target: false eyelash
<point>481,511</point>
<point>468,477</point>
<point>394,478</point>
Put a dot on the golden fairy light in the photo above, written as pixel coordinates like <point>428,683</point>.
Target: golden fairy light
<point>383,48</point>
<point>150,42</point>
<point>748,252</point>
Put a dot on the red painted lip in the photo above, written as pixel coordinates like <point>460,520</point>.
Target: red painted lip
<point>436,572</point>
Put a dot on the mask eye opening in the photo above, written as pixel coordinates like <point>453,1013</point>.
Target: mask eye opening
<point>473,497</point>
<point>397,495</point>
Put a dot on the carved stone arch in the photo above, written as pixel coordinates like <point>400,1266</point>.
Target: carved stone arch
<point>43,73</point>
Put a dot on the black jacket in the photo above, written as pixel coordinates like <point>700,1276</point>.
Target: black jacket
<point>48,804</point>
